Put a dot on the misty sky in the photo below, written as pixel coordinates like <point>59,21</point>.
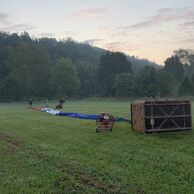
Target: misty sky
<point>150,29</point>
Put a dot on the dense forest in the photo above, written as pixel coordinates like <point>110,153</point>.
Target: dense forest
<point>47,68</point>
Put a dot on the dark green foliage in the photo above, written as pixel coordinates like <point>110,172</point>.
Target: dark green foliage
<point>137,64</point>
<point>65,82</point>
<point>174,66</point>
<point>187,59</point>
<point>192,82</point>
<point>185,88</point>
<point>87,75</point>
<point>151,83</point>
<point>166,83</point>
<point>111,64</point>
<point>71,49</point>
<point>181,65</point>
<point>10,90</point>
<point>146,82</point>
<point>30,67</point>
<point>47,68</point>
<point>123,85</point>
<point>4,53</point>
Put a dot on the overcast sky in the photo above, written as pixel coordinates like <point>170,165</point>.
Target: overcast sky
<point>150,29</point>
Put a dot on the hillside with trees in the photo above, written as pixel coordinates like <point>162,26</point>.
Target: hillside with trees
<point>47,68</point>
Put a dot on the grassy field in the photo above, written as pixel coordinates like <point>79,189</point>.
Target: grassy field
<point>41,153</point>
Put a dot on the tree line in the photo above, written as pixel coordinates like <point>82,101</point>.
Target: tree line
<point>47,68</point>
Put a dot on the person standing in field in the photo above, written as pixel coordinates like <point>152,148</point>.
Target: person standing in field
<point>61,102</point>
<point>29,103</point>
<point>46,103</point>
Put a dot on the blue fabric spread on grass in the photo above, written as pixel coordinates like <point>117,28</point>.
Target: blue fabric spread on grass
<point>84,116</point>
<point>78,115</point>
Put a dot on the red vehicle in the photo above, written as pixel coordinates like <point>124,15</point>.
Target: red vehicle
<point>105,122</point>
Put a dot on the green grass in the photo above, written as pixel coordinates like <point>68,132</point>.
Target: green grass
<point>41,153</point>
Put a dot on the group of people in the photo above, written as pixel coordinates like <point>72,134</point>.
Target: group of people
<point>58,106</point>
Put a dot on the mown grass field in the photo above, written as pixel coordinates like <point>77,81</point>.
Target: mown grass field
<point>41,153</point>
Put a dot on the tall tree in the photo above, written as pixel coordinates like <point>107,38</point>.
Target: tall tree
<point>87,75</point>
<point>185,88</point>
<point>4,53</point>
<point>30,66</point>
<point>166,83</point>
<point>174,66</point>
<point>10,90</point>
<point>186,57</point>
<point>65,82</point>
<point>111,63</point>
<point>145,83</point>
<point>123,85</point>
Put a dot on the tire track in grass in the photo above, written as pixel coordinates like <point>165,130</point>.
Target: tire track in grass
<point>84,180</point>
<point>13,143</point>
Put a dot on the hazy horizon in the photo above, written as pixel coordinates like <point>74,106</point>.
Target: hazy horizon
<point>148,29</point>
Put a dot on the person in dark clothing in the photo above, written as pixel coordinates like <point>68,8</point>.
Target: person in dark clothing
<point>30,102</point>
<point>61,102</point>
